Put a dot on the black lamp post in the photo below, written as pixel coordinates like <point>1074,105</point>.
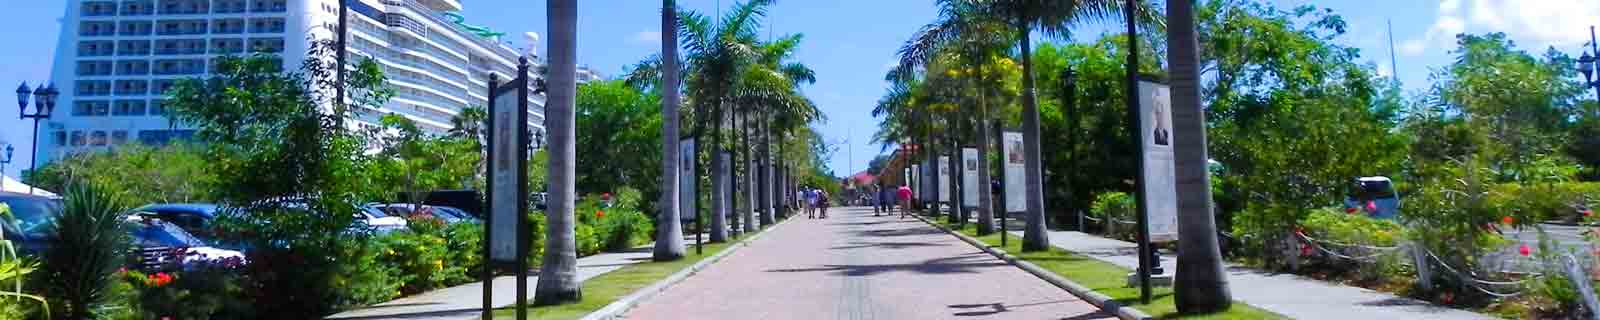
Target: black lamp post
<point>1586,65</point>
<point>1069,91</point>
<point>44,101</point>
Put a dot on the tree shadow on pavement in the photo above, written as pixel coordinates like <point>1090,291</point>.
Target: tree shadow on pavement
<point>985,309</point>
<point>946,265</point>
<point>888,245</point>
<point>898,232</point>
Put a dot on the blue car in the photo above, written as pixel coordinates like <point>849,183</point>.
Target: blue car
<point>31,223</point>
<point>195,218</point>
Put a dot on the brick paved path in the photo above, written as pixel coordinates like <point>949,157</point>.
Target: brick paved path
<point>856,266</point>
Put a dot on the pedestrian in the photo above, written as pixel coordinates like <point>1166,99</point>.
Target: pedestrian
<point>885,199</point>
<point>905,200</point>
<point>822,203</point>
<point>811,203</point>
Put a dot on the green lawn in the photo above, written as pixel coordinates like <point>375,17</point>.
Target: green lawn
<point>1110,280</point>
<point>607,288</point>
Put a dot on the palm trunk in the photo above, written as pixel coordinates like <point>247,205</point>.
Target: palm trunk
<point>749,194</point>
<point>985,209</point>
<point>957,178</point>
<point>1201,287</point>
<point>719,183</point>
<point>1034,237</point>
<point>558,276</point>
<point>669,231</point>
<point>733,174</point>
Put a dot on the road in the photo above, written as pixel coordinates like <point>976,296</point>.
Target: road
<point>857,266</point>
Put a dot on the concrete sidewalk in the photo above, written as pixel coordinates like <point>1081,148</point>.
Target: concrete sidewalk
<point>466,301</point>
<point>1286,294</point>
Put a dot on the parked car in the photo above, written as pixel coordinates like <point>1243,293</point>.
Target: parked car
<point>1375,196</point>
<point>162,243</point>
<point>448,214</point>
<point>194,218</point>
<point>32,220</point>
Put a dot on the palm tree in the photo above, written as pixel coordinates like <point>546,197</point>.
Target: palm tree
<point>1201,287</point>
<point>717,52</point>
<point>964,29</point>
<point>669,232</point>
<point>558,275</point>
<point>469,124</point>
<point>1054,18</point>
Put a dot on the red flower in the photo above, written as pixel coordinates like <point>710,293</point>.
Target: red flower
<point>1305,250</point>
<point>159,279</point>
<point>599,214</point>
<point>1447,298</point>
<point>1351,210</point>
<point>1587,212</point>
<point>1525,250</point>
<point>1508,220</point>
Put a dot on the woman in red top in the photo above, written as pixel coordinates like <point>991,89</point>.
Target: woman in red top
<point>905,200</point>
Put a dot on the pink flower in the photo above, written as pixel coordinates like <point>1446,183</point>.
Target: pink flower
<point>1372,206</point>
<point>1525,250</point>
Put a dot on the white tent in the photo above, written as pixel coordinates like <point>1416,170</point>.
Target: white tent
<point>12,185</point>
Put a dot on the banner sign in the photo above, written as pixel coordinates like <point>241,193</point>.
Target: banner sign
<point>1160,191</point>
<point>507,193</point>
<point>970,185</point>
<point>1015,171</point>
<point>687,204</point>
<point>944,179</point>
<point>921,182</point>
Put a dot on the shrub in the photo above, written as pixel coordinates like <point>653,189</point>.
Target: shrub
<point>209,291</point>
<point>92,243</point>
<point>430,255</point>
<point>1373,242</point>
<point>1111,207</point>
<point>13,272</point>
<point>1455,219</point>
<point>625,229</point>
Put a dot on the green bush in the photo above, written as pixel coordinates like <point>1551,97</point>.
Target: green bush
<point>1374,242</point>
<point>206,292</point>
<point>1454,217</point>
<point>1111,207</point>
<point>93,243</point>
<point>418,256</point>
<point>625,229</point>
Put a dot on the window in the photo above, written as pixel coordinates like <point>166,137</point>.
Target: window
<point>128,108</point>
<point>77,138</point>
<point>119,137</point>
<point>157,108</point>
<point>58,138</point>
<point>98,138</point>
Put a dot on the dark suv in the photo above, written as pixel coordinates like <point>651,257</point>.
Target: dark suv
<point>30,230</point>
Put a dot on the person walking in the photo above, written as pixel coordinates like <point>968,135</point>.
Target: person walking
<point>811,203</point>
<point>886,199</point>
<point>905,200</point>
<point>822,203</point>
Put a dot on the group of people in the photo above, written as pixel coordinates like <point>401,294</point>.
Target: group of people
<point>814,201</point>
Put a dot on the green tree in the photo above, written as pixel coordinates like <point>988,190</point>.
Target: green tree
<point>255,118</point>
<point>79,269</point>
<point>138,173</point>
<point>618,132</point>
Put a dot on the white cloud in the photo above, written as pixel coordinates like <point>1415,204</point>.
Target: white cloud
<point>645,37</point>
<point>1535,24</point>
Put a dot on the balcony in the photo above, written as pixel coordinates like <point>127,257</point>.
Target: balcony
<point>97,29</point>
<point>138,8</point>
<point>270,6</point>
<point>99,9</point>
<point>136,28</point>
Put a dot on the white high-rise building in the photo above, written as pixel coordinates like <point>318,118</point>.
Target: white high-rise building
<point>116,59</point>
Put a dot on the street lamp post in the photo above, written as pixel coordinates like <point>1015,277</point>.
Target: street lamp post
<point>1586,65</point>
<point>44,102</point>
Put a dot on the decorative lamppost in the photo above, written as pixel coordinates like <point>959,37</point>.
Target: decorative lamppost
<point>1586,65</point>
<point>44,101</point>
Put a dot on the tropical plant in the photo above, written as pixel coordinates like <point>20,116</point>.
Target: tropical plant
<point>13,272</point>
<point>92,243</point>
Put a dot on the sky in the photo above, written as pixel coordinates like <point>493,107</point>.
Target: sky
<point>850,43</point>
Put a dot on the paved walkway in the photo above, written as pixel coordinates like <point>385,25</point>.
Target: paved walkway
<point>1286,294</point>
<point>466,301</point>
<point>856,266</point>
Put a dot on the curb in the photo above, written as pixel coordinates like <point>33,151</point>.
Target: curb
<point>622,305</point>
<point>1103,301</point>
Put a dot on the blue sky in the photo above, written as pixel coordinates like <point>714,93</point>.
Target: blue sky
<point>850,43</point>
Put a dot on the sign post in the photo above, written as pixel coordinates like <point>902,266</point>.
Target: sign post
<point>687,198</point>
<point>506,229</point>
<point>1011,180</point>
<point>969,176</point>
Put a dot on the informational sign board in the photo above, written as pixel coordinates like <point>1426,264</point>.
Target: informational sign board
<point>969,176</point>
<point>1015,171</point>
<point>509,153</point>
<point>944,179</point>
<point>1160,191</point>
<point>688,208</point>
<point>921,182</point>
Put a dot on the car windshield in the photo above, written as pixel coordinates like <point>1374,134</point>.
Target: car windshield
<point>32,214</point>
<point>162,233</point>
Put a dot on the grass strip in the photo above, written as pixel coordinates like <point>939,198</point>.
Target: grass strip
<point>1109,279</point>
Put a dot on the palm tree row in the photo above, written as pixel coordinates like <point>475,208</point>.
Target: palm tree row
<point>944,73</point>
